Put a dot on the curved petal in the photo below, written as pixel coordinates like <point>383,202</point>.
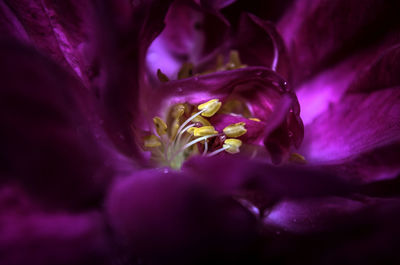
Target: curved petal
<point>58,28</point>
<point>349,231</point>
<point>50,136</point>
<point>263,184</point>
<point>123,34</point>
<point>156,214</point>
<point>259,44</point>
<point>320,33</point>
<point>359,124</point>
<point>192,33</point>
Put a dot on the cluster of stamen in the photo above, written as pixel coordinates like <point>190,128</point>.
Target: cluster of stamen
<point>186,135</point>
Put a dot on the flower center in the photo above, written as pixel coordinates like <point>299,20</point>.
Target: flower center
<point>187,132</point>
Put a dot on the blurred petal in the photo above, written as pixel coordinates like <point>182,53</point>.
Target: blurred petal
<point>170,217</point>
<point>31,235</point>
<point>124,32</point>
<point>320,33</point>
<point>358,124</point>
<point>50,135</point>
<point>262,183</point>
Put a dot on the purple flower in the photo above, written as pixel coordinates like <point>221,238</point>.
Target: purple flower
<point>170,132</point>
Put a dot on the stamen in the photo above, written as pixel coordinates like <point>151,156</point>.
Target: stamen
<point>190,119</point>
<point>232,145</point>
<point>188,128</point>
<point>185,71</point>
<point>235,130</point>
<point>297,158</point>
<point>161,76</point>
<point>202,120</point>
<point>255,119</point>
<point>161,126</point>
<point>196,141</point>
<point>234,60</point>
<point>210,107</point>
<point>151,141</point>
<point>204,131</point>
<point>217,151</point>
<point>205,147</point>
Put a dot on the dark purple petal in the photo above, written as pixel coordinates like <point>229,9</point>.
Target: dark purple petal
<point>338,230</point>
<point>57,28</point>
<point>320,33</point>
<point>381,73</point>
<point>32,235</point>
<point>123,34</point>
<point>262,183</point>
<point>259,44</point>
<point>365,125</point>
<point>171,217</point>
<point>50,136</point>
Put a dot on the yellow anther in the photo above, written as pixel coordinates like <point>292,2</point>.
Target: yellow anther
<point>185,71</point>
<point>202,120</point>
<point>161,76</point>
<point>161,126</point>
<point>235,130</point>
<point>174,128</point>
<point>191,130</point>
<point>297,158</point>
<point>232,145</point>
<point>178,111</point>
<point>204,131</point>
<point>211,107</point>
<point>255,119</point>
<point>151,141</point>
<point>234,60</point>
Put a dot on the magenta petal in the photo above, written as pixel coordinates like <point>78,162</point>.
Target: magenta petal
<point>191,34</point>
<point>357,125</point>
<point>50,136</point>
<point>320,33</point>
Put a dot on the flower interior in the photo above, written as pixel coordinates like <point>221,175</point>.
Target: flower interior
<point>188,131</point>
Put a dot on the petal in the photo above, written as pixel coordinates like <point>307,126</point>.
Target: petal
<point>381,73</point>
<point>359,124</point>
<point>349,231</point>
<point>50,134</point>
<point>48,238</point>
<point>319,34</point>
<point>191,34</point>
<point>123,34</point>
<point>263,184</point>
<point>156,214</point>
<point>259,44</point>
<point>56,28</point>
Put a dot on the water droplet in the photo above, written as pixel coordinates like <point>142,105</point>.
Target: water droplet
<point>166,170</point>
<point>179,89</point>
<point>290,133</point>
<point>259,73</point>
